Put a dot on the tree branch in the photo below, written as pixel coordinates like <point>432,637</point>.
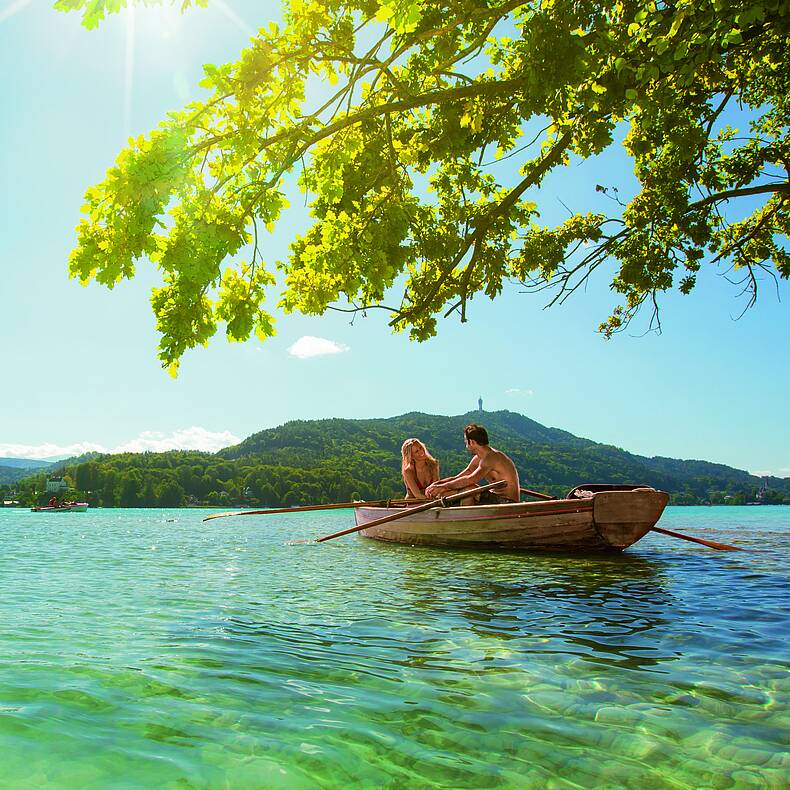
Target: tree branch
<point>482,227</point>
<point>782,186</point>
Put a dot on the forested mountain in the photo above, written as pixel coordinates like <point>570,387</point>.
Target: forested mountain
<point>23,463</point>
<point>13,469</point>
<point>338,460</point>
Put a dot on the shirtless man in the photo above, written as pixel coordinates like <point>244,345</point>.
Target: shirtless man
<point>487,463</point>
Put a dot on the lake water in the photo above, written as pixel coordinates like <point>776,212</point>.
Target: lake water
<point>146,649</point>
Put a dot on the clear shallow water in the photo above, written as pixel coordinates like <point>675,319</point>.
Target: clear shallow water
<point>143,648</point>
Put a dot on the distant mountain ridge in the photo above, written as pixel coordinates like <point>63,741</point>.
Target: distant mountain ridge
<point>336,460</point>
<point>542,454</point>
<point>24,463</point>
<point>13,469</point>
<point>440,433</point>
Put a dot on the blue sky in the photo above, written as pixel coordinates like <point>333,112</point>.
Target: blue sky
<point>79,366</point>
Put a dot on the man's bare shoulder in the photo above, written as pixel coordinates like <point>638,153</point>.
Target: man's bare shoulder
<point>498,457</point>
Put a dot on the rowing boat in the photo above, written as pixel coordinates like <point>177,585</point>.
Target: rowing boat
<point>72,507</point>
<point>590,518</point>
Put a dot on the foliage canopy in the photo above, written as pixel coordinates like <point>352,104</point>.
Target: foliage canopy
<point>396,114</point>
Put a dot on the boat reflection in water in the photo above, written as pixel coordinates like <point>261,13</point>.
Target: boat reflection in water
<point>611,609</point>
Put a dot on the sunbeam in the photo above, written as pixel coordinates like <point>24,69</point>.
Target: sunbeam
<point>14,8</point>
<point>128,80</point>
<point>234,17</point>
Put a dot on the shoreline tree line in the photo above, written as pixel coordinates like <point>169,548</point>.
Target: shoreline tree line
<point>322,461</point>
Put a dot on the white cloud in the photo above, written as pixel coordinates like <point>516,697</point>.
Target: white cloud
<point>49,450</point>
<point>518,391</point>
<point>772,473</point>
<point>308,346</point>
<point>194,438</point>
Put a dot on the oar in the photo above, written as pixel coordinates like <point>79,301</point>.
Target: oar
<point>439,502</point>
<point>711,544</point>
<point>333,506</point>
<point>341,505</point>
<point>536,494</point>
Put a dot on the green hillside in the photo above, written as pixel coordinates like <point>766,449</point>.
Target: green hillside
<point>13,469</point>
<point>335,460</point>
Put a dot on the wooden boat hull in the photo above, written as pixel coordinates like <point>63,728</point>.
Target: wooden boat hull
<point>605,521</point>
<point>77,507</point>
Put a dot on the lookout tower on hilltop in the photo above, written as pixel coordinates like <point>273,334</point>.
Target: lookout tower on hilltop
<point>480,404</point>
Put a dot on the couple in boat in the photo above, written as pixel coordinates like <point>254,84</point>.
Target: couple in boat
<point>55,504</point>
<point>421,471</point>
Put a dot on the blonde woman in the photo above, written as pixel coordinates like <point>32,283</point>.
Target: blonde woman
<point>418,467</point>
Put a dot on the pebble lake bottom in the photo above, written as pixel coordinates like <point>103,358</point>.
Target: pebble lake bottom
<point>146,649</point>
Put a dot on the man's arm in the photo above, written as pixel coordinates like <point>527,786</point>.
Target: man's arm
<point>474,462</point>
<point>462,480</point>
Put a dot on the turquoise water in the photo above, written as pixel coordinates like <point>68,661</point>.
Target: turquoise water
<point>143,648</point>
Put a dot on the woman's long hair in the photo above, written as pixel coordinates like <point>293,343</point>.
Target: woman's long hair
<point>406,449</point>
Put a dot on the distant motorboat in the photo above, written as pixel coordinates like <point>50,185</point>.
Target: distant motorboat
<point>66,507</point>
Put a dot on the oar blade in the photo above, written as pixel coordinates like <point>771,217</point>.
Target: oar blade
<point>709,543</point>
<point>274,511</point>
<point>225,515</point>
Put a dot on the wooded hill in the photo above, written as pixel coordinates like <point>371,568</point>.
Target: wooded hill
<point>317,461</point>
<point>13,469</point>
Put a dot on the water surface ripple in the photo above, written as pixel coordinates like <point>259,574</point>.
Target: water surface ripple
<point>143,648</point>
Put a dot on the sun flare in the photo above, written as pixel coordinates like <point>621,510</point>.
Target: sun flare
<point>128,71</point>
<point>13,8</point>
